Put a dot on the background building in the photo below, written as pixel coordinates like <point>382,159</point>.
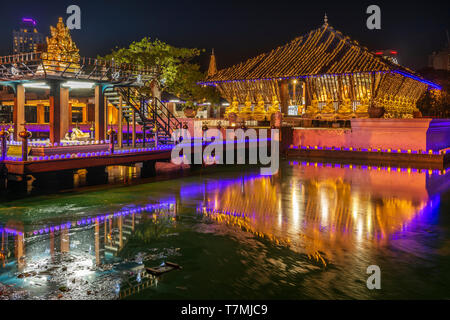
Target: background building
<point>440,60</point>
<point>27,39</point>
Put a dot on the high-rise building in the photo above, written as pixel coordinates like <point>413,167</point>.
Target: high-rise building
<point>27,39</point>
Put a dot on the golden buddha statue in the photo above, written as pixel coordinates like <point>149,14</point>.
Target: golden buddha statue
<point>363,107</point>
<point>259,113</point>
<point>314,107</point>
<point>404,102</point>
<point>61,51</point>
<point>328,107</point>
<point>246,111</point>
<point>232,108</point>
<point>274,107</point>
<point>346,106</point>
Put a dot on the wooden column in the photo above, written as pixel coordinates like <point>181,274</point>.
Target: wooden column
<point>90,108</point>
<point>112,115</point>
<point>55,112</point>
<point>84,112</point>
<point>100,114</point>
<point>19,110</point>
<point>284,96</point>
<point>120,122</point>
<point>66,116</point>
<point>40,108</point>
<point>307,94</point>
<point>70,114</point>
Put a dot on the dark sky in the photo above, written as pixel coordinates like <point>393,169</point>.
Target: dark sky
<point>237,29</point>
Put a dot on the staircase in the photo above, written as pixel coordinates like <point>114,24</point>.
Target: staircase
<point>150,112</point>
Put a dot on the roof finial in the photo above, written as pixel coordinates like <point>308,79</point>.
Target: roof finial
<point>212,70</point>
<point>325,19</point>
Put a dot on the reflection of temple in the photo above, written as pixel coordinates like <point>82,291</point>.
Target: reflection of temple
<point>322,74</point>
<point>100,236</point>
<point>328,209</point>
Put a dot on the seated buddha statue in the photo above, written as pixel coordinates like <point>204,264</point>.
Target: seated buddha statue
<point>314,107</point>
<point>232,108</point>
<point>402,101</point>
<point>259,113</point>
<point>363,107</point>
<point>246,111</point>
<point>329,107</point>
<point>274,107</point>
<point>346,106</point>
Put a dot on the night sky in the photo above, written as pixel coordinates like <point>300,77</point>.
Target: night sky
<point>237,30</point>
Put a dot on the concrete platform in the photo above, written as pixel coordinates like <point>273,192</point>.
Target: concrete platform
<point>437,160</point>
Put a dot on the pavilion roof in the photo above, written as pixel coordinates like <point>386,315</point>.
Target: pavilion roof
<point>321,51</point>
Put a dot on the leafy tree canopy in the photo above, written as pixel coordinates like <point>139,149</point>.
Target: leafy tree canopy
<point>436,103</point>
<point>177,74</point>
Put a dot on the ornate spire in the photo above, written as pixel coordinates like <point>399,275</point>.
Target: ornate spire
<point>212,70</point>
<point>61,50</point>
<point>325,20</point>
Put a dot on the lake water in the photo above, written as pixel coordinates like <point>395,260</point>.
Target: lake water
<point>309,232</point>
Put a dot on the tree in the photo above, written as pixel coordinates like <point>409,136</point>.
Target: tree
<point>436,103</point>
<point>177,74</point>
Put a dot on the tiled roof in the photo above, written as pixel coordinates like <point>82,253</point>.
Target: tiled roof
<point>321,51</point>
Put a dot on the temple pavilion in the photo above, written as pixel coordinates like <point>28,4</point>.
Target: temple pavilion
<point>321,75</point>
<point>61,86</point>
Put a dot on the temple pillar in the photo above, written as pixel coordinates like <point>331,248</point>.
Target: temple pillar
<point>66,112</point>
<point>55,112</point>
<point>84,118</point>
<point>19,111</point>
<point>40,111</point>
<point>90,108</point>
<point>70,115</point>
<point>284,96</point>
<point>100,114</point>
<point>40,108</point>
<point>306,94</point>
<point>112,114</point>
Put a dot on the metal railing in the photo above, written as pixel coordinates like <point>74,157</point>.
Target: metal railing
<point>28,66</point>
<point>155,112</point>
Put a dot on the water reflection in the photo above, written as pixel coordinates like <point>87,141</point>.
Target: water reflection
<point>324,210</point>
<point>60,257</point>
<point>308,232</point>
